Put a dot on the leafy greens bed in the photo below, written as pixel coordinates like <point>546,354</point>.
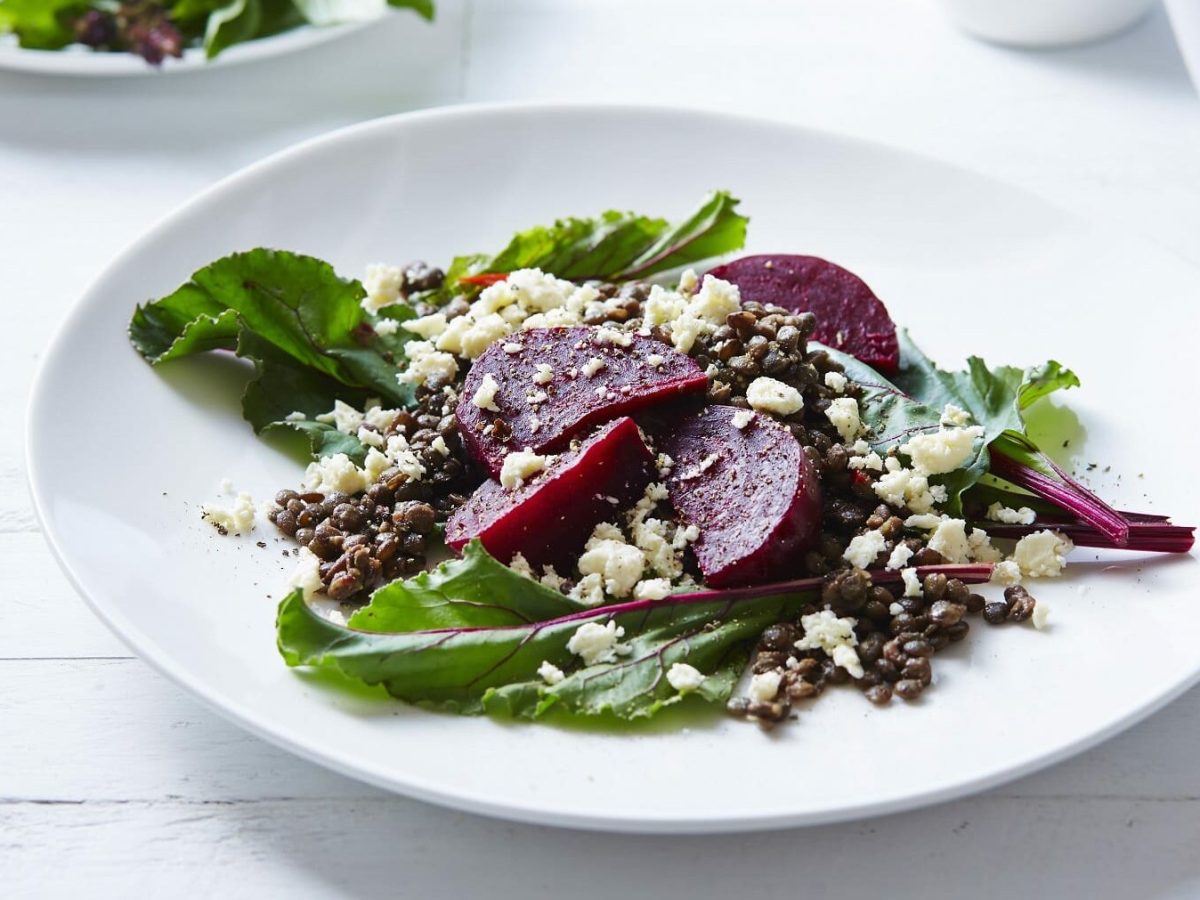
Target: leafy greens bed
<point>894,478</point>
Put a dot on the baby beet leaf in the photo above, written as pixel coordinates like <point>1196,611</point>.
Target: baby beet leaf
<point>614,246</point>
<point>302,327</point>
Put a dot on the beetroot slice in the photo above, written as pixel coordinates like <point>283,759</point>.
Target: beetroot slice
<point>849,315</point>
<point>573,402</point>
<point>751,491</point>
<point>549,519</point>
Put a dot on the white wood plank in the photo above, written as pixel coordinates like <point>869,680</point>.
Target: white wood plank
<point>985,848</point>
<point>106,730</point>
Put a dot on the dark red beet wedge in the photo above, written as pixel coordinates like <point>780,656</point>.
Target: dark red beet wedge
<point>850,317</point>
<point>750,491</point>
<point>550,519</point>
<point>544,410</point>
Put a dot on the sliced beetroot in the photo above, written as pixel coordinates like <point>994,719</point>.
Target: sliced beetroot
<point>849,315</point>
<point>544,411</point>
<point>549,519</point>
<point>750,491</point>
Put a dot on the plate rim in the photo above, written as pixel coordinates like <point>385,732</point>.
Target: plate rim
<point>287,739</point>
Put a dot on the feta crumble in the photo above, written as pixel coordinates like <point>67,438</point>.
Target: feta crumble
<point>344,417</point>
<point>684,677</point>
<point>842,413</point>
<point>652,589</point>
<point>901,554</point>
<point>950,540</point>
<point>592,366</point>
<point>941,451</point>
<point>427,327</point>
<point>654,360</point>
<point>864,548</point>
<point>521,465</point>
<point>550,673</point>
<point>427,364</point>
<point>825,631</point>
<point>772,396</point>
<point>618,563</point>
<point>1006,573</point>
<point>765,686</point>
<point>912,582</point>
<point>544,374</point>
<point>307,574</point>
<point>835,381</point>
<point>1042,554</point>
<point>383,284</point>
<point>596,643</point>
<point>238,518</point>
<point>336,473</point>
<point>742,418</point>
<point>1041,615</point>
<point>485,394</point>
<point>998,512</point>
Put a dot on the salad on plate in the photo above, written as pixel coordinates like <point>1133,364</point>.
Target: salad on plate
<point>157,30</point>
<point>596,475</point>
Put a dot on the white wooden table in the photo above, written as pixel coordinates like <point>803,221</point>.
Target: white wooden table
<point>114,783</point>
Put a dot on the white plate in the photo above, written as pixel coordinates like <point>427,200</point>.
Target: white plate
<point>79,60</point>
<point>120,455</point>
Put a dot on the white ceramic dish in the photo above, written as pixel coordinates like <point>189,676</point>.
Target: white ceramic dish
<point>82,62</point>
<point>121,455</point>
<point>1045,23</point>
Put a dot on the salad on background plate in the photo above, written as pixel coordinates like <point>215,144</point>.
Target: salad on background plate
<point>648,483</point>
<point>158,30</point>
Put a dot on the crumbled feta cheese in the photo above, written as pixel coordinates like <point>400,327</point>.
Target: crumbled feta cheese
<point>684,677</point>
<point>520,565</point>
<point>904,487</point>
<point>715,301</point>
<point>589,590</point>
<point>860,448</point>
<point>295,416</point>
<point>942,451</point>
<point>521,465</point>
<point>379,418</point>
<point>825,631</point>
<point>835,381</point>
<point>981,547</point>
<point>950,540</point>
<point>742,418</point>
<point>236,519</point>
<point>511,347</point>
<point>620,564</point>
<point>688,281</point>
<point>427,327</point>
<point>912,583</point>
<point>895,609</point>
<point>652,589</point>
<point>307,574</point>
<point>596,643</point>
<point>901,554</point>
<point>684,332</point>
<point>1041,614</point>
<point>998,512</point>
<point>427,364</point>
<point>383,284</point>
<point>662,307</point>
<point>772,396</point>
<point>537,398</point>
<point>369,438</point>
<point>1042,554</point>
<point>765,686</point>
<point>1006,572</point>
<point>344,417</point>
<point>923,521</point>
<point>485,394</point>
<point>864,548</point>
<point>335,473</point>
<point>550,673</point>
<point>955,416</point>
<point>544,374</point>
<point>439,444</point>
<point>592,366</point>
<point>872,461</point>
<point>842,413</point>
<point>664,464</point>
<point>375,464</point>
<point>607,335</point>
<point>482,334</point>
<point>654,360</point>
